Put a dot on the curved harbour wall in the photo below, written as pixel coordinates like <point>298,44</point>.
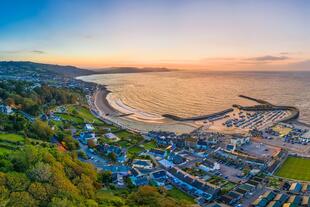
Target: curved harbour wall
<point>266,106</point>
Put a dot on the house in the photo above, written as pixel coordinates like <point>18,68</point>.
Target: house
<point>247,187</point>
<point>143,164</point>
<point>163,141</point>
<point>305,187</point>
<point>239,141</point>
<point>6,109</point>
<point>139,180</point>
<point>296,200</point>
<point>274,204</point>
<point>84,136</point>
<point>157,153</point>
<point>295,187</point>
<point>176,158</point>
<point>118,151</point>
<point>118,180</point>
<point>111,136</point>
<point>193,185</point>
<point>190,142</point>
<point>159,177</point>
<point>202,144</point>
<point>269,195</point>
<point>44,117</point>
<point>89,127</point>
<point>230,147</point>
<point>305,201</point>
<point>231,198</point>
<point>281,198</point>
<point>289,205</point>
<point>227,199</point>
<point>260,202</point>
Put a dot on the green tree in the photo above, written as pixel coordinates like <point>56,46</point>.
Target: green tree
<point>17,181</point>
<point>112,156</point>
<point>22,199</point>
<point>40,172</point>
<point>86,187</point>
<point>105,177</point>
<point>41,130</point>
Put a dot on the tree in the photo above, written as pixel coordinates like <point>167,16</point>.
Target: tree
<point>40,172</point>
<point>41,130</point>
<point>38,191</point>
<point>17,181</point>
<point>85,185</point>
<point>150,196</point>
<point>71,143</point>
<point>4,194</point>
<point>91,143</point>
<point>112,156</point>
<point>61,202</point>
<point>105,177</point>
<point>22,199</point>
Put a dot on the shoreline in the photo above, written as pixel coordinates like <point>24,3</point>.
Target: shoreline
<point>99,99</point>
<point>104,111</point>
<point>101,107</point>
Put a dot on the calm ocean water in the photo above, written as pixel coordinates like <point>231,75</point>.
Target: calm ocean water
<point>194,93</point>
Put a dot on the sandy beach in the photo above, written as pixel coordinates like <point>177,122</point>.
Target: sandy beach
<point>100,104</point>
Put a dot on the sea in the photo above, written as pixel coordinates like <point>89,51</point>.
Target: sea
<point>186,93</point>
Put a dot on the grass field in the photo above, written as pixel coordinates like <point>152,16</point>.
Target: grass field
<point>295,168</point>
<point>179,195</point>
<point>11,137</point>
<point>9,142</point>
<point>149,145</point>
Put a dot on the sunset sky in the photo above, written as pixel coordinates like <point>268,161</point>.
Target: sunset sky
<point>189,34</point>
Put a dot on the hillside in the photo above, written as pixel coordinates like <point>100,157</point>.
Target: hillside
<point>14,67</point>
<point>21,67</point>
<point>130,70</point>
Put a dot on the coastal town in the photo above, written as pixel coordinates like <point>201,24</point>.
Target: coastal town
<point>244,156</point>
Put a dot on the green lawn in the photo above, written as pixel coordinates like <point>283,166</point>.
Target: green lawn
<point>4,151</point>
<point>181,196</point>
<point>72,119</point>
<point>9,142</point>
<point>135,150</point>
<point>295,168</point>
<point>149,145</point>
<point>84,113</point>
<point>11,137</point>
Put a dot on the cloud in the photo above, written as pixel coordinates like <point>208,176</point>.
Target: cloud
<point>22,51</point>
<point>38,51</point>
<point>284,53</point>
<point>301,65</point>
<point>268,58</point>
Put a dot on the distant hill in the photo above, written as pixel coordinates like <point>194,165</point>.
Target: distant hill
<point>22,66</point>
<point>130,70</point>
<point>69,71</point>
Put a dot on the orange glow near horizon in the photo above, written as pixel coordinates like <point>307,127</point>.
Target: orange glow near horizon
<point>210,35</point>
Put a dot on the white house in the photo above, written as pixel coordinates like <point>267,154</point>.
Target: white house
<point>111,136</point>
<point>144,164</point>
<point>89,127</point>
<point>6,109</point>
<point>238,141</point>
